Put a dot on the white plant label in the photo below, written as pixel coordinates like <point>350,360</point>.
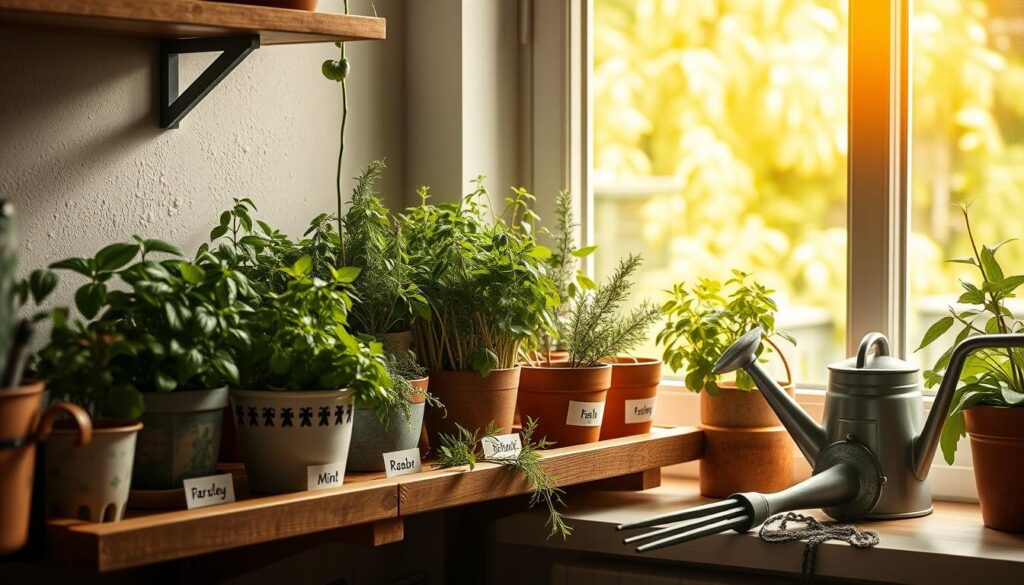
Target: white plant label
<point>640,410</point>
<point>584,414</point>
<point>502,446</point>
<point>402,462</point>
<point>320,477</point>
<point>211,490</point>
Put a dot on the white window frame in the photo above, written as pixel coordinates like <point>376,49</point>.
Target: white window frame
<point>559,54</point>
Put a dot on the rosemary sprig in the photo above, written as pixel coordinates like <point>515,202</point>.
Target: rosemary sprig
<point>463,449</point>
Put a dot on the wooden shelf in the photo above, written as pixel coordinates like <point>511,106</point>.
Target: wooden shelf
<point>146,538</point>
<point>177,19</point>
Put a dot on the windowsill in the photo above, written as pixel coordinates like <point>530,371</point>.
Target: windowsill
<point>948,546</point>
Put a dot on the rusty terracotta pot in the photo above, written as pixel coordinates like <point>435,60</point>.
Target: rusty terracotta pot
<point>568,403</point>
<point>746,448</point>
<point>997,441</point>
<point>472,400</point>
<point>309,5</point>
<point>629,409</point>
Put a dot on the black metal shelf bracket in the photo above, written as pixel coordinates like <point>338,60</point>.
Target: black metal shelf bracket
<point>174,107</point>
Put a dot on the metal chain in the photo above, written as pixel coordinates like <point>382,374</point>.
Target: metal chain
<point>777,530</point>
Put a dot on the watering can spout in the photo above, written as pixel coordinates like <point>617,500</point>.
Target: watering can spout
<point>807,433</point>
<point>926,443</point>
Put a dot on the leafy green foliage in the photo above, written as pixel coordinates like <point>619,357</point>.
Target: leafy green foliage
<point>596,329</point>
<point>564,266</point>
<point>704,319</point>
<point>991,376</point>
<point>484,277</point>
<point>402,368</point>
<point>464,449</point>
<point>150,326</point>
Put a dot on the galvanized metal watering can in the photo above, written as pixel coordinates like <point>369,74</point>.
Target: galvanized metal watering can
<point>871,456</point>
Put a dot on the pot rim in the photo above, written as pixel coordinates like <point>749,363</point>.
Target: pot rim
<point>100,426</point>
<point>495,370</point>
<point>185,401</point>
<point>340,393</point>
<point>33,387</point>
<point>731,385</point>
<point>640,361</point>
<point>564,366</point>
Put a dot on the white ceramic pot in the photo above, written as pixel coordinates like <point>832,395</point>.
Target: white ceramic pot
<point>90,482</point>
<point>282,433</point>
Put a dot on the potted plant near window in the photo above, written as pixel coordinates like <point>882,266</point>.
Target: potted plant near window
<point>745,446</point>
<point>301,379</point>
<point>568,399</point>
<point>483,276</point>
<point>989,403</point>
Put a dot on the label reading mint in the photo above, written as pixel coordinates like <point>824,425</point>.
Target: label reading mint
<point>209,491</point>
<point>502,446</point>
<point>584,414</point>
<point>330,475</point>
<point>402,462</point>
<point>640,410</point>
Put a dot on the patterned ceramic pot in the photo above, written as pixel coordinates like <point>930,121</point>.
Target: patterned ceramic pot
<point>283,433</point>
<point>180,438</point>
<point>90,482</point>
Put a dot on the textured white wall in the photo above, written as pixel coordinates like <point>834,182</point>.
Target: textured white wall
<point>83,159</point>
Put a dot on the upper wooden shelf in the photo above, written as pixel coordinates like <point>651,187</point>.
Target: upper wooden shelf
<point>177,19</point>
<point>366,499</point>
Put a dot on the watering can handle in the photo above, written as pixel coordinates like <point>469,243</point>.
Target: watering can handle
<point>870,340</point>
<point>81,418</point>
<point>785,362</point>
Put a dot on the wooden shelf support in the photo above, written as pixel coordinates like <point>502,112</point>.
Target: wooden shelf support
<point>174,107</point>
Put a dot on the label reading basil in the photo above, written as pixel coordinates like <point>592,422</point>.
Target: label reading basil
<point>209,491</point>
<point>402,462</point>
<point>640,410</point>
<point>584,414</point>
<point>502,446</point>
<point>330,475</point>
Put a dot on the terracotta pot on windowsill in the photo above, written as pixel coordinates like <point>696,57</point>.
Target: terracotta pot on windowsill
<point>997,441</point>
<point>472,401</point>
<point>629,409</point>
<point>568,403</point>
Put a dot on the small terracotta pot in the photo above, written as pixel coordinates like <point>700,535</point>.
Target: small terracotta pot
<point>309,5</point>
<point>629,408</point>
<point>746,448</point>
<point>371,439</point>
<point>997,441</point>
<point>568,403</point>
<point>402,339</point>
<point>472,400</point>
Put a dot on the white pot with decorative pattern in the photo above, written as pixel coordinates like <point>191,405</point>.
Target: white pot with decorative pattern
<point>283,433</point>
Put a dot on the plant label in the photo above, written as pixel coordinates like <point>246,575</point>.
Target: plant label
<point>584,414</point>
<point>402,462</point>
<point>330,475</point>
<point>211,490</point>
<point>640,410</point>
<point>502,446</point>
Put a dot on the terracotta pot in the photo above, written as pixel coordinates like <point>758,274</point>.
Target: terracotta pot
<point>997,441</point>
<point>19,426</point>
<point>371,439</point>
<point>568,403</point>
<point>472,400</point>
<point>629,408</point>
<point>746,447</point>
<point>402,339</point>
<point>90,480</point>
<point>309,5</point>
<point>284,432</point>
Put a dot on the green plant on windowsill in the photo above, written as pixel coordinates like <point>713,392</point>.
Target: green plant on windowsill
<point>149,326</point>
<point>564,270</point>
<point>403,369</point>
<point>706,317</point>
<point>990,377</point>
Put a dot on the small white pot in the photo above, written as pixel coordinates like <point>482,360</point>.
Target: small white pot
<point>284,432</point>
<point>90,482</point>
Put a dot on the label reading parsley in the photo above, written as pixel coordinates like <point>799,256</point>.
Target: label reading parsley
<point>502,446</point>
<point>209,491</point>
<point>584,414</point>
<point>402,462</point>
<point>640,410</point>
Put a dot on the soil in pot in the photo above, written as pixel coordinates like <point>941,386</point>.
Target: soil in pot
<point>371,439</point>
<point>282,433</point>
<point>746,448</point>
<point>472,400</point>
<point>629,408</point>
<point>90,481</point>
<point>568,403</point>
<point>997,441</point>
<point>180,438</point>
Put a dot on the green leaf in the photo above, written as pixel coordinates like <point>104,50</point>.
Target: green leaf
<point>173,317</point>
<point>584,251</point>
<point>124,402</point>
<point>164,382</point>
<point>218,232</point>
<point>302,266</point>
<point>189,365</point>
<point>90,298</point>
<point>936,331</point>
<point>80,265</point>
<point>347,274</point>
<point>191,273</point>
<point>115,256</point>
<point>1011,396</point>
<point>484,360</point>
<point>225,219</point>
<point>41,283</point>
<point>993,273</point>
<point>965,260</point>
<point>540,252</point>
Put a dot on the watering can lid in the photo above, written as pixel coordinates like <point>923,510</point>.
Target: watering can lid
<point>878,362</point>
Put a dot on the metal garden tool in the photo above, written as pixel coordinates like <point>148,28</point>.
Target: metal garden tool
<point>870,458</point>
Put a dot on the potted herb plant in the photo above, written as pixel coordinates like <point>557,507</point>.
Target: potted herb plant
<point>989,403</point>
<point>568,399</point>
<point>302,378</point>
<point>484,278</point>
<point>746,448</point>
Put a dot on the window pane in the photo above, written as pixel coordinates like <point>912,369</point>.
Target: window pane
<point>968,145</point>
<point>720,142</point>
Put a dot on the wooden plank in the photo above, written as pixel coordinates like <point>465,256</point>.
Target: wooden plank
<point>439,489</point>
<point>188,18</point>
<point>634,482</point>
